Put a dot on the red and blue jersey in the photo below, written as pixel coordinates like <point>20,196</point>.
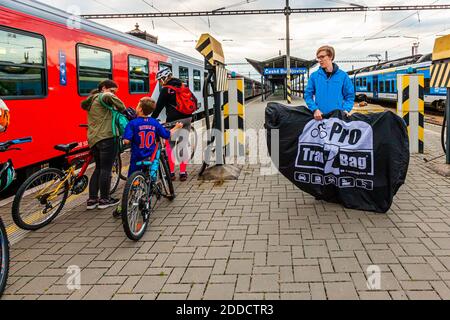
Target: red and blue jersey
<point>143,134</point>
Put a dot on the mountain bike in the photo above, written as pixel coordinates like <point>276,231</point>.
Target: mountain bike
<point>6,172</point>
<point>43,195</point>
<point>144,189</point>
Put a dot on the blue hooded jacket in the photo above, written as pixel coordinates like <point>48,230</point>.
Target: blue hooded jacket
<point>329,94</point>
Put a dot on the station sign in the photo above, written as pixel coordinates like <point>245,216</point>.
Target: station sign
<point>282,71</point>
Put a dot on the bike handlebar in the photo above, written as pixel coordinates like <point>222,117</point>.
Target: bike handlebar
<point>4,146</point>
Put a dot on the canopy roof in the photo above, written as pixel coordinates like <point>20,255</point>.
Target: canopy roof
<point>280,62</point>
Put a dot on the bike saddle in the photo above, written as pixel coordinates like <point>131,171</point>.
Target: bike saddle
<point>66,147</point>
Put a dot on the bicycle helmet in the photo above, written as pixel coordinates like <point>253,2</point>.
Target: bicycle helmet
<point>4,116</point>
<point>163,74</point>
<point>7,174</point>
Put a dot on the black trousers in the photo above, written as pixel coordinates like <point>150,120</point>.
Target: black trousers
<point>105,152</point>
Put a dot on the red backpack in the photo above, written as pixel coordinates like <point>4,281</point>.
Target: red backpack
<point>186,101</point>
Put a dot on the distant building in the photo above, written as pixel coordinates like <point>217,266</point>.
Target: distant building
<point>143,34</point>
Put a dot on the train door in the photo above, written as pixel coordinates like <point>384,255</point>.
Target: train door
<point>375,87</point>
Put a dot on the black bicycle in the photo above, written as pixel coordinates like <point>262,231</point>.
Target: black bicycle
<point>7,175</point>
<point>144,189</point>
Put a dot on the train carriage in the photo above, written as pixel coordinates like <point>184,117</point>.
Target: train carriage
<point>379,83</point>
<point>49,63</point>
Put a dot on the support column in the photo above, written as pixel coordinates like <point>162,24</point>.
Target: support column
<point>411,107</point>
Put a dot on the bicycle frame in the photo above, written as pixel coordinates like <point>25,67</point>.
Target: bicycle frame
<point>68,177</point>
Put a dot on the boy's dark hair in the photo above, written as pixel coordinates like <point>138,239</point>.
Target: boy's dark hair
<point>108,84</point>
<point>148,105</point>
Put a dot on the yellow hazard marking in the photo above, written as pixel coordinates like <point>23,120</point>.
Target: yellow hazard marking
<point>210,48</point>
<point>441,50</point>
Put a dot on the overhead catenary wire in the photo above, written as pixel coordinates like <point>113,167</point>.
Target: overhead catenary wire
<point>267,11</point>
<point>178,24</point>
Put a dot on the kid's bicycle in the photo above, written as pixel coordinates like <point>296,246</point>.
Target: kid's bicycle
<point>7,176</point>
<point>43,195</point>
<point>144,189</point>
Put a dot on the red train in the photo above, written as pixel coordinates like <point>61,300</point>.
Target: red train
<point>47,69</point>
<point>49,62</point>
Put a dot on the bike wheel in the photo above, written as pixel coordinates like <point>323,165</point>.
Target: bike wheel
<point>168,190</point>
<point>37,202</point>
<point>116,174</point>
<point>4,257</point>
<point>137,205</point>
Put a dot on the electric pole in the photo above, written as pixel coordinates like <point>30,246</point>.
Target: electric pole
<point>287,12</point>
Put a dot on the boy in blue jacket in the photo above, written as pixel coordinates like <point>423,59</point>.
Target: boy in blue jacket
<point>329,88</point>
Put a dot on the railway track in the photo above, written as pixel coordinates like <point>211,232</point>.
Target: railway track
<point>431,116</point>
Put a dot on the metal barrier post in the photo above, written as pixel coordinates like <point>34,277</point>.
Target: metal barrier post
<point>234,113</point>
<point>411,107</point>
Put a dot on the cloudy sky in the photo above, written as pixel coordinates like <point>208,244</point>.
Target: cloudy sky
<point>354,35</point>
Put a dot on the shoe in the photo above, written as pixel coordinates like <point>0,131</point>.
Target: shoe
<point>117,213</point>
<point>172,177</point>
<point>183,176</point>
<point>92,204</point>
<point>106,203</point>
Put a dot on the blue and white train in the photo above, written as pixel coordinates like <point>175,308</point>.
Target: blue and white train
<point>378,83</point>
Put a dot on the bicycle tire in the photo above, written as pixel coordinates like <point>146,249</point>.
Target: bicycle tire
<point>164,170</point>
<point>117,166</point>
<point>4,257</point>
<point>16,214</point>
<point>125,206</point>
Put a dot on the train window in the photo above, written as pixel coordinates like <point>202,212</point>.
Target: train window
<point>138,73</point>
<point>364,82</point>
<point>94,65</point>
<point>427,83</point>
<point>22,64</point>
<point>393,86</point>
<point>183,74</point>
<point>388,86</point>
<point>381,86</point>
<point>369,86</point>
<point>197,80</point>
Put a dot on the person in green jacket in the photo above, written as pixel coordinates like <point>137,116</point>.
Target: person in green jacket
<point>102,142</point>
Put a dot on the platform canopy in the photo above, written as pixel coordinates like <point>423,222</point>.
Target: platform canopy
<point>277,63</point>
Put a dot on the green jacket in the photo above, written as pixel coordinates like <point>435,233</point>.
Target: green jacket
<point>99,118</point>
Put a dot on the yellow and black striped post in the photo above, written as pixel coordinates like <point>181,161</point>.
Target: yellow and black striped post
<point>288,89</point>
<point>411,107</point>
<point>211,49</point>
<point>234,117</point>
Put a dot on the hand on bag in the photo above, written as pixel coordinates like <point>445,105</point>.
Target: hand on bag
<point>317,115</point>
<point>347,113</point>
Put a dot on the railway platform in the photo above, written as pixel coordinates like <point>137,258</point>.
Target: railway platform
<point>255,238</point>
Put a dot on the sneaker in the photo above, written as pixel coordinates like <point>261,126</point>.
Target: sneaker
<point>172,176</point>
<point>106,203</point>
<point>92,204</point>
<point>183,176</point>
<point>117,213</point>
